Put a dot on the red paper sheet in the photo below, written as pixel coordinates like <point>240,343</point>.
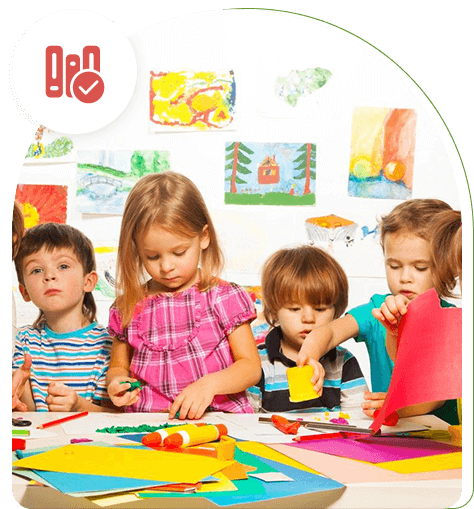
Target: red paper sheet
<point>428,363</point>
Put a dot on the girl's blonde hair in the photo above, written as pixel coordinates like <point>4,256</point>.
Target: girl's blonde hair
<point>446,251</point>
<point>172,202</point>
<point>56,236</point>
<point>413,217</point>
<point>305,274</point>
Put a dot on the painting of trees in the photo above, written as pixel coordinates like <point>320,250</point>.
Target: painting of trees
<point>236,158</point>
<point>306,165</point>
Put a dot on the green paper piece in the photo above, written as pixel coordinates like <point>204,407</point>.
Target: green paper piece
<point>142,428</point>
<point>133,385</point>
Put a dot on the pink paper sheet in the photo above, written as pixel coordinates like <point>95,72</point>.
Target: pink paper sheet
<point>428,363</point>
<point>378,449</point>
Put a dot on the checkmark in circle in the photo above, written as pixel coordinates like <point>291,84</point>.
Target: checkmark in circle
<point>87,86</point>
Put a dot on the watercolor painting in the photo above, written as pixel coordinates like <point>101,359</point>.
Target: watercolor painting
<point>192,100</point>
<point>270,173</point>
<point>382,153</point>
<point>50,147</point>
<point>42,203</point>
<point>300,83</point>
<point>104,178</point>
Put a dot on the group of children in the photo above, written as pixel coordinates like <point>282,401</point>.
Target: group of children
<point>185,334</point>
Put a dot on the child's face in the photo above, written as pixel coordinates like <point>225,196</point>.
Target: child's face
<point>55,281</point>
<point>170,259</point>
<point>407,264</point>
<point>298,320</point>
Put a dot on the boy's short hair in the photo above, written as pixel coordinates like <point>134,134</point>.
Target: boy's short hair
<point>305,274</point>
<point>56,236</point>
<point>412,216</point>
<point>18,227</point>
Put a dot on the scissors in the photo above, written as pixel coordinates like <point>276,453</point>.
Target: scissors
<point>20,422</point>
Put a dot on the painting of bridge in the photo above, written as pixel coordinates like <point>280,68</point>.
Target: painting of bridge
<point>104,178</point>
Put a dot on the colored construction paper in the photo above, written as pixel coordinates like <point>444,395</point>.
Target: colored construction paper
<point>435,374</point>
<point>349,471</point>
<point>125,462</point>
<point>299,383</point>
<point>444,461</point>
<point>254,490</point>
<point>272,477</point>
<point>378,449</point>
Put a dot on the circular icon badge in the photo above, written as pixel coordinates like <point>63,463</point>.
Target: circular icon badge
<point>74,71</point>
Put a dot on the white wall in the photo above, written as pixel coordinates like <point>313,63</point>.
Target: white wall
<point>257,45</point>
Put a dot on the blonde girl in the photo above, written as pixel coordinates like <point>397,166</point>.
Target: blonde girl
<point>176,327</point>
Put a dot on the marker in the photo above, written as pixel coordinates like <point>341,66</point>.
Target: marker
<point>200,435</point>
<point>60,421</point>
<point>21,432</point>
<point>156,438</point>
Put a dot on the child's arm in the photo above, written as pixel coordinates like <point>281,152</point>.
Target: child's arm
<point>321,340</point>
<point>119,371</point>
<point>242,374</point>
<point>62,398</point>
<point>389,315</point>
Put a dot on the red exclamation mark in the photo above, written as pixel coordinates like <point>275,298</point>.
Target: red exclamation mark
<point>54,71</point>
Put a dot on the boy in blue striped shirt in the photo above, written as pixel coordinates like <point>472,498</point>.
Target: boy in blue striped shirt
<point>60,361</point>
<point>303,288</point>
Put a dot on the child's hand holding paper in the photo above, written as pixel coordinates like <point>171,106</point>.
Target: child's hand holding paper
<point>20,377</point>
<point>119,394</point>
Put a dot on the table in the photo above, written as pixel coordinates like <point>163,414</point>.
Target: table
<point>410,494</point>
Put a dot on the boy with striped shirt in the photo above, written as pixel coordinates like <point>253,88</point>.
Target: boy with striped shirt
<point>60,361</point>
<point>303,288</point>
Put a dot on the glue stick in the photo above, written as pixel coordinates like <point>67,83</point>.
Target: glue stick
<point>156,438</point>
<point>196,436</point>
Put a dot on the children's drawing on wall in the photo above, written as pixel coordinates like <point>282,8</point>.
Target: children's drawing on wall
<point>49,147</point>
<point>328,229</point>
<point>382,153</point>
<point>192,100</point>
<point>270,173</point>
<point>104,178</point>
<point>42,203</point>
<point>300,83</point>
<point>106,260</point>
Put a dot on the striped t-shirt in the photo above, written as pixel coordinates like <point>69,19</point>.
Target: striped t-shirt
<point>79,359</point>
<point>343,388</point>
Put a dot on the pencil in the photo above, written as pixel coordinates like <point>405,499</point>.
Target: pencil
<point>60,421</point>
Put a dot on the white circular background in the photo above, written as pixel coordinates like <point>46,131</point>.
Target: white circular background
<point>72,30</point>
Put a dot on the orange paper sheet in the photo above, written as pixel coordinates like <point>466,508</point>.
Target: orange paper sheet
<point>428,363</point>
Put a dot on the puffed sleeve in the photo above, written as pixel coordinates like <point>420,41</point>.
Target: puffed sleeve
<point>115,325</point>
<point>233,306</point>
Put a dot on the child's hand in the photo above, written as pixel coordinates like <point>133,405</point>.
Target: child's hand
<point>61,398</point>
<point>19,380</point>
<point>391,312</point>
<point>118,393</point>
<point>373,401</point>
<point>193,401</point>
<point>318,376</point>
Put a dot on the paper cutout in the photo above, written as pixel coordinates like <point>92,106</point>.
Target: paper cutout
<point>272,477</point>
<point>124,462</point>
<point>237,471</point>
<point>441,462</point>
<point>378,449</point>
<point>299,383</point>
<point>348,471</point>
<point>434,376</point>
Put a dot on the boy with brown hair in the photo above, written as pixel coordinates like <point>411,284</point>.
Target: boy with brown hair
<point>405,237</point>
<point>303,288</point>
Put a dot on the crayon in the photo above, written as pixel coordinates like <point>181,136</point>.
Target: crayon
<point>200,435</point>
<point>60,421</point>
<point>156,438</point>
<point>21,432</point>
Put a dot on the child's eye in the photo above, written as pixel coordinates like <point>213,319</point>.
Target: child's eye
<point>36,271</point>
<point>294,309</point>
<point>421,269</point>
<point>180,253</point>
<point>394,267</point>
<point>153,257</point>
<point>64,266</point>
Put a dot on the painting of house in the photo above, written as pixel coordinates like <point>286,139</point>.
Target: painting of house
<point>254,177</point>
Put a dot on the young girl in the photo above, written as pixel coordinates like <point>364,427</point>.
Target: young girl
<point>184,334</point>
<point>69,350</point>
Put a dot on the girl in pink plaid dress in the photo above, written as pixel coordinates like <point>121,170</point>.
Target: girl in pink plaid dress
<point>176,327</point>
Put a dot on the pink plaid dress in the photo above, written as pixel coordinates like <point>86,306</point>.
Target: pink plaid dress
<point>178,338</point>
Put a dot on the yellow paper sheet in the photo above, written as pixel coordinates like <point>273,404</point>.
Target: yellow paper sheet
<point>299,383</point>
<point>121,462</point>
<point>270,454</point>
<point>427,464</point>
